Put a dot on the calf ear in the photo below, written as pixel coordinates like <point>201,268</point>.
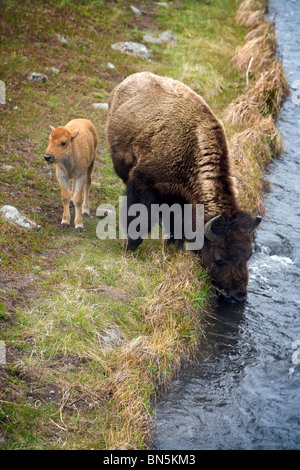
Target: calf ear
<point>52,128</point>
<point>74,134</point>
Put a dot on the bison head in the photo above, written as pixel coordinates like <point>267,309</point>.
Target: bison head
<point>226,250</point>
<point>59,142</point>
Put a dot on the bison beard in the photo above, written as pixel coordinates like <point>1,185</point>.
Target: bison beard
<point>168,147</point>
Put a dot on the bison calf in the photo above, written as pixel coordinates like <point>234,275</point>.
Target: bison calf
<point>73,150</point>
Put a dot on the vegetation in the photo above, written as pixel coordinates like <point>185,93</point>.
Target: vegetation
<point>93,333</point>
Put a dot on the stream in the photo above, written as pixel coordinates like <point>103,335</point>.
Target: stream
<point>244,393</point>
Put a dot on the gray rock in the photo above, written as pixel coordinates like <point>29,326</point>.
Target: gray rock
<point>110,339</point>
<point>2,352</point>
<point>162,4</point>
<point>2,93</point>
<point>151,39</point>
<point>135,10</point>
<point>7,167</point>
<point>37,77</point>
<point>103,106</point>
<point>132,48</point>
<point>53,70</point>
<point>62,39</point>
<point>11,214</point>
<point>168,36</point>
<point>111,66</point>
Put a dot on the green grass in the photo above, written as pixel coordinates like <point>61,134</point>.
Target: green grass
<point>91,334</point>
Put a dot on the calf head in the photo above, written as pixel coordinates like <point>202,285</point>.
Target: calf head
<point>226,250</point>
<point>59,144</point>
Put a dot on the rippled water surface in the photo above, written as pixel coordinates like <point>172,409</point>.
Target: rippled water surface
<point>245,392</point>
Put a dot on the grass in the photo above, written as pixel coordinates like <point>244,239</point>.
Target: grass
<point>92,332</point>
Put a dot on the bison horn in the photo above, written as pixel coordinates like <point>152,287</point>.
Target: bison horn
<point>208,229</point>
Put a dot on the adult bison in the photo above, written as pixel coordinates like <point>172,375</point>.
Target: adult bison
<point>167,146</point>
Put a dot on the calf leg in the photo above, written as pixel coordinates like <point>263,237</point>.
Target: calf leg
<point>66,197</point>
<point>86,191</point>
<point>77,200</point>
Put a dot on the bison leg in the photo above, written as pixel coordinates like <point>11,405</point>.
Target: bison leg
<point>137,193</point>
<point>77,200</point>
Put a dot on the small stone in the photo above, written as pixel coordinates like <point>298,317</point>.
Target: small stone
<point>135,10</point>
<point>62,39</point>
<point>37,77</point>
<point>111,66</point>
<point>103,106</point>
<point>132,48</point>
<point>7,167</point>
<point>53,70</point>
<point>11,214</point>
<point>162,4</point>
<point>2,93</point>
<point>110,339</point>
<point>168,36</point>
<point>2,352</point>
<point>151,39</point>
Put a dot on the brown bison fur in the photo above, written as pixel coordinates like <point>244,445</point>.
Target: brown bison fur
<point>168,146</point>
<point>72,148</point>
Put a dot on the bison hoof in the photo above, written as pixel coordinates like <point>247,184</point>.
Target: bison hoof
<point>85,214</point>
<point>63,226</point>
<point>79,229</point>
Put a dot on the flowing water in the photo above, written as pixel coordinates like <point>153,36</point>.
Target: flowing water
<point>245,391</point>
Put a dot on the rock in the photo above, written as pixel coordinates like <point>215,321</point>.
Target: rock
<point>2,93</point>
<point>62,39</point>
<point>168,36</point>
<point>11,214</point>
<point>162,4</point>
<point>37,77</point>
<point>7,167</point>
<point>110,339</point>
<point>135,10</point>
<point>2,352</point>
<point>132,48</point>
<point>103,106</point>
<point>151,39</point>
<point>53,70</point>
<point>111,66</point>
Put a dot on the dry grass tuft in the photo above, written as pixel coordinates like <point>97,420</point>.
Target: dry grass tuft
<point>270,89</point>
<point>262,98</point>
<point>249,18</point>
<point>258,52</point>
<point>251,150</point>
<point>172,338</point>
<point>251,13</point>
<point>242,112</point>
<point>255,140</point>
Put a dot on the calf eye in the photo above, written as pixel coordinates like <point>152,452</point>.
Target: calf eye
<point>63,144</point>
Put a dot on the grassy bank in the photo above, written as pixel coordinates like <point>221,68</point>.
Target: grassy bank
<point>93,333</point>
